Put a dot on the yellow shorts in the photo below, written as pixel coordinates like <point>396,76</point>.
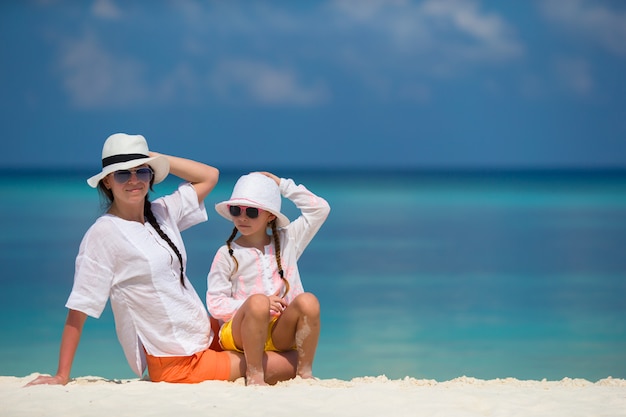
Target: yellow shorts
<point>202,366</point>
<point>228,343</point>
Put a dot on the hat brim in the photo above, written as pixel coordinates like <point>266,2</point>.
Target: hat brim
<point>159,164</point>
<point>222,209</point>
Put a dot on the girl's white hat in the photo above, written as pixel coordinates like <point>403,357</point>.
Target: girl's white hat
<point>122,151</point>
<point>255,190</point>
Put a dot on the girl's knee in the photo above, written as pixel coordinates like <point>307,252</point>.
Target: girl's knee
<point>308,303</point>
<point>256,303</point>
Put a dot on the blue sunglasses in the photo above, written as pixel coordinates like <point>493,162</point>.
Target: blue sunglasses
<point>144,174</point>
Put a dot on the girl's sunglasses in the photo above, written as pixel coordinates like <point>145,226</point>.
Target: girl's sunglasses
<point>143,174</point>
<point>251,212</point>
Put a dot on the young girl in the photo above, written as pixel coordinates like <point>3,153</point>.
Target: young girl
<point>254,286</point>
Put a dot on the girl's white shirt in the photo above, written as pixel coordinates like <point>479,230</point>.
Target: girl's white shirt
<point>129,264</point>
<point>228,288</point>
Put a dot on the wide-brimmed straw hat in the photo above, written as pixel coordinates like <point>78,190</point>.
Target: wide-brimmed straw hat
<point>255,190</point>
<point>122,151</point>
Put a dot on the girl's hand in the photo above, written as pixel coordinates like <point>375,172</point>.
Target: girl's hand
<point>48,380</point>
<point>277,304</point>
<point>272,176</point>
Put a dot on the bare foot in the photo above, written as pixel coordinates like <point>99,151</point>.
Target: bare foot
<point>255,378</point>
<point>305,370</point>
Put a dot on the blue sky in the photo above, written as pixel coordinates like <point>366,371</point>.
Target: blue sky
<point>317,84</point>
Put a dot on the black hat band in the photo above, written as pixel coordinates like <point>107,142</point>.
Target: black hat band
<point>116,159</point>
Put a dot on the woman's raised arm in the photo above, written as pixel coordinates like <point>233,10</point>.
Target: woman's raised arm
<point>203,177</point>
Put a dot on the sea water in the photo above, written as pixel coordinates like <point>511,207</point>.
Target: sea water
<point>428,275</point>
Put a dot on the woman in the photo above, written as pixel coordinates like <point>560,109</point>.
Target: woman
<point>134,256</point>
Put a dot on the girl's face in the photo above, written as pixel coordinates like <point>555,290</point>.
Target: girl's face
<point>248,226</point>
<point>129,186</point>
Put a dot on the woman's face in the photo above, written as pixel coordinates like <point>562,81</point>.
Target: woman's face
<point>130,185</point>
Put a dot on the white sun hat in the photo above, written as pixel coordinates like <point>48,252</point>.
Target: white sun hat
<point>123,151</point>
<point>255,190</point>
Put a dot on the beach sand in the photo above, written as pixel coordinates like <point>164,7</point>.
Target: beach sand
<point>365,396</point>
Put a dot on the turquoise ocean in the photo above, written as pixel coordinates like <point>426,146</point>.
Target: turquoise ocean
<point>431,275</point>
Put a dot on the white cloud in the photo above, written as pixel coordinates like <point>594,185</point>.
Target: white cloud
<point>105,9</point>
<point>364,10</point>
<point>391,48</point>
<point>181,85</point>
<point>93,77</point>
<point>575,75</point>
<point>484,36</point>
<point>414,42</point>
<point>385,45</point>
<point>594,21</point>
<point>263,83</point>
<point>439,30</point>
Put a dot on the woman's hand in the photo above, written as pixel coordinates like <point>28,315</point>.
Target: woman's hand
<point>69,343</point>
<point>48,380</point>
<point>203,177</point>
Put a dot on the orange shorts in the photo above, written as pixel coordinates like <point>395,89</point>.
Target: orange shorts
<point>202,366</point>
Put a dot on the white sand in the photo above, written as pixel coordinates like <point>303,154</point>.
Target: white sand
<point>367,396</point>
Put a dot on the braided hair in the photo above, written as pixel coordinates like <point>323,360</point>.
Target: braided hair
<point>277,252</point>
<point>230,249</point>
<point>272,224</point>
<point>147,212</point>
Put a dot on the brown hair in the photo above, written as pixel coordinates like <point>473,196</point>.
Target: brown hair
<point>147,212</point>
<point>271,224</point>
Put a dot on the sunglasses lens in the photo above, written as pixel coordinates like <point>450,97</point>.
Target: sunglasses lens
<point>121,176</point>
<point>252,212</point>
<point>144,174</point>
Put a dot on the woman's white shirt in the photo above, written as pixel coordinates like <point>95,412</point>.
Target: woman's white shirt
<point>129,264</point>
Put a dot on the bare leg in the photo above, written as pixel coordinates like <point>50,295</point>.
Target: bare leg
<point>250,332</point>
<point>299,324</point>
<point>278,366</point>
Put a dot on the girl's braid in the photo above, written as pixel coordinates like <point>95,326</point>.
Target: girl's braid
<point>230,249</point>
<point>147,212</point>
<point>277,252</point>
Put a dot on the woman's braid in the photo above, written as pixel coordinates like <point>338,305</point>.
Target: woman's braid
<point>147,212</point>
